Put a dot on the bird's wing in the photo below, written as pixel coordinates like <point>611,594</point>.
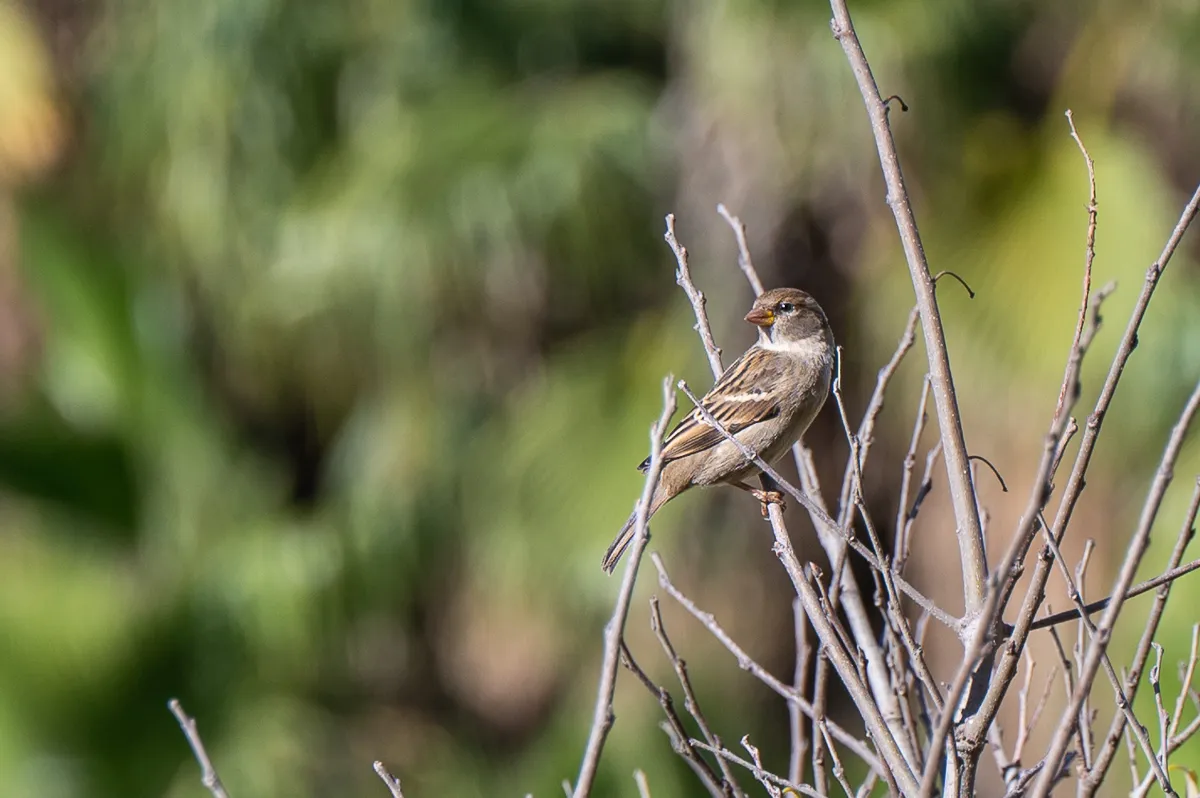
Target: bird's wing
<point>741,398</point>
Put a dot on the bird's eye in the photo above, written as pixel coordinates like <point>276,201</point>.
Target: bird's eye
<point>786,307</point>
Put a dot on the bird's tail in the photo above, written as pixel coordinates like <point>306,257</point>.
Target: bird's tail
<point>619,544</point>
<point>625,536</point>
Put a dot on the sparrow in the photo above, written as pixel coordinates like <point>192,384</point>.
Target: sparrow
<point>766,399</point>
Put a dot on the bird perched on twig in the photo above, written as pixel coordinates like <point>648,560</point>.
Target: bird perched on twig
<point>766,399</point>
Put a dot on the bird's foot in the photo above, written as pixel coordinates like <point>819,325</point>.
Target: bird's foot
<point>769,497</point>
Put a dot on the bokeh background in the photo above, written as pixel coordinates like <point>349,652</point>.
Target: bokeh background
<point>330,334</point>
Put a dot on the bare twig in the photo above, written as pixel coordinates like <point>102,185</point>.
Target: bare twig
<point>1131,752</point>
<point>820,698</point>
<point>1122,700</point>
<point>1026,720</point>
<point>675,730</point>
<point>1176,742</point>
<point>958,473</point>
<point>1186,686</point>
<point>995,471</point>
<point>1065,661</point>
<point>938,748</point>
<point>1087,715</point>
<point>744,261</point>
<point>725,753</point>
<point>603,717</point>
<point>747,663</point>
<point>1133,558</point>
<point>863,440</point>
<point>1068,434</point>
<point>393,783</point>
<point>835,544</point>
<point>1092,780</point>
<point>959,279</point>
<point>689,696</point>
<point>771,788</point>
<point>839,772</point>
<point>796,724</point>
<point>1162,579</point>
<point>1016,787</point>
<point>840,659</point>
<point>208,774</point>
<point>643,786</point>
<point>684,277</point>
<point>1089,253</point>
<point>1061,430</point>
<point>1005,667</point>
<point>894,614</point>
<point>1164,720</point>
<point>903,523</point>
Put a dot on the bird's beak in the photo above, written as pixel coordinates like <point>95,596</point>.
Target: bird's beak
<point>761,317</point>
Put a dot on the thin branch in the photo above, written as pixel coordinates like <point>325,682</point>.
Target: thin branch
<point>684,278</point>
<point>393,783</point>
<point>1177,741</point>
<point>1164,720</point>
<point>1068,434</point>
<point>1020,782</point>
<point>868,785</point>
<point>923,492</point>
<point>643,786</point>
<point>1164,578</point>
<point>675,730</point>
<point>1061,430</point>
<point>839,772</point>
<point>1089,250</point>
<point>725,753</point>
<point>1131,751</point>
<point>866,430</point>
<point>835,544</point>
<point>894,614</point>
<point>1005,667</point>
<point>1122,700</point>
<point>972,655</point>
<point>1087,715</point>
<point>1026,721</point>
<point>208,774</point>
<point>747,663</point>
<point>961,281</point>
<point>820,699</point>
<point>796,724</point>
<point>744,261</point>
<point>1133,558</point>
<point>995,471</point>
<point>958,473</point>
<point>1186,686</point>
<point>771,788</point>
<point>1092,780</point>
<point>603,716</point>
<point>840,659</point>
<point>903,523</point>
<point>689,696</point>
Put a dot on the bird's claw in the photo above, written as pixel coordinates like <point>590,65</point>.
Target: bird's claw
<point>769,497</point>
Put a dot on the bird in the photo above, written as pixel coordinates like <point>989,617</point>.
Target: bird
<point>766,399</point>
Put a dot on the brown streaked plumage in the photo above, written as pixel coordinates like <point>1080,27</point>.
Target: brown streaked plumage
<point>766,399</point>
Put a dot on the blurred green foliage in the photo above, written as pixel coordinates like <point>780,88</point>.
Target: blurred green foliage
<point>330,334</point>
